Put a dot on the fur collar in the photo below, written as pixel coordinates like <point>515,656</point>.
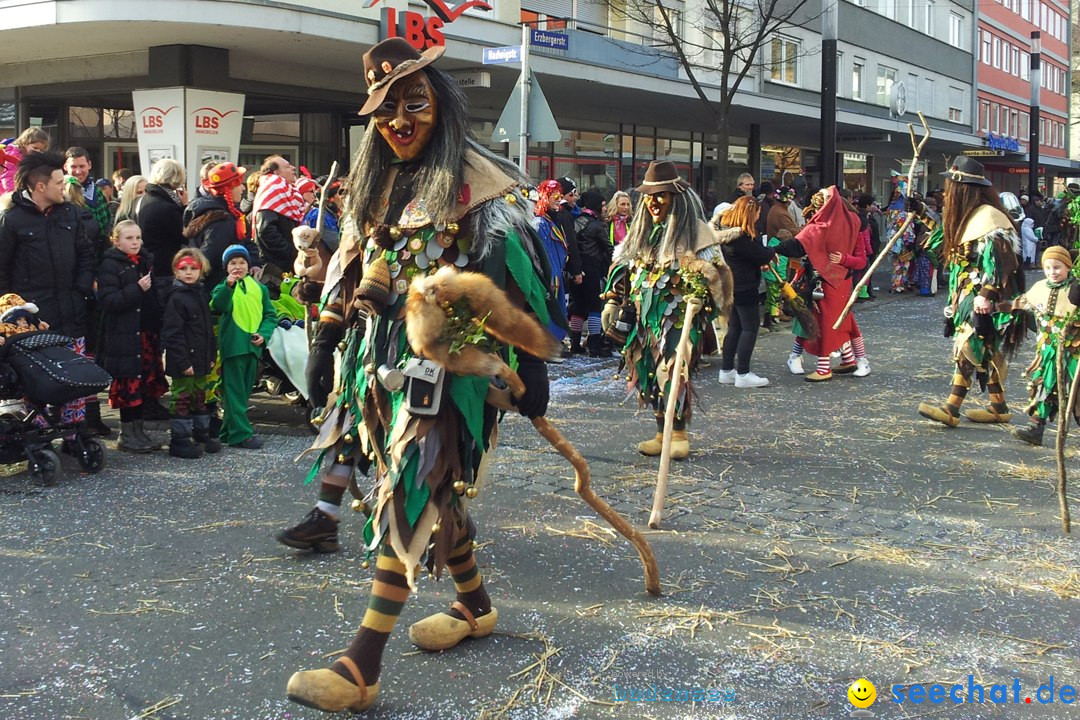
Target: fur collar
<point>726,235</point>
<point>200,223</point>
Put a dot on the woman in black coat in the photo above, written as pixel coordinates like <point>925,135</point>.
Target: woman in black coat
<point>160,214</point>
<point>594,253</point>
<point>745,255</point>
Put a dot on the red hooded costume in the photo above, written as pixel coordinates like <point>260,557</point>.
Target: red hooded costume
<point>833,228</point>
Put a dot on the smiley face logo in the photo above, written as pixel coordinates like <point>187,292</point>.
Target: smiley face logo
<point>862,693</point>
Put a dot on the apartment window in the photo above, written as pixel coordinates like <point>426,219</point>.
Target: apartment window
<point>1025,124</point>
<point>956,31</point>
<point>1006,57</point>
<point>1015,124</point>
<point>1025,67</point>
<point>984,115</point>
<point>886,77</point>
<point>857,78</point>
<point>926,98</point>
<point>1015,60</point>
<point>888,9</point>
<point>928,17</point>
<point>1042,16</point>
<point>1025,9</point>
<point>784,65</point>
<point>985,45</point>
<point>956,104</point>
<point>995,117</point>
<point>839,74</point>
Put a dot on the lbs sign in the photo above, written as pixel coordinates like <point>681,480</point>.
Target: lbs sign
<point>419,31</point>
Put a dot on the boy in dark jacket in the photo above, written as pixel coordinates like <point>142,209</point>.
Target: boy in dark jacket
<point>187,334</point>
<point>131,320</point>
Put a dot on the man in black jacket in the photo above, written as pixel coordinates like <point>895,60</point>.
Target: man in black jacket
<point>278,209</point>
<point>45,255</point>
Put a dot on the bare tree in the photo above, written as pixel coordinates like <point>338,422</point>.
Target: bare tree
<point>738,34</point>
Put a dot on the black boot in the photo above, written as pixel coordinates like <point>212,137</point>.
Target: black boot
<point>596,345</point>
<point>317,531</point>
<point>575,343</point>
<point>201,432</point>
<point>181,445</point>
<point>1032,433</point>
<point>94,425</point>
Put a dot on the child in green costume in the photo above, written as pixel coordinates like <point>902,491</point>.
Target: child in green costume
<point>247,321</point>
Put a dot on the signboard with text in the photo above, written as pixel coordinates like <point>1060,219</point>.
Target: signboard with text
<point>550,40</point>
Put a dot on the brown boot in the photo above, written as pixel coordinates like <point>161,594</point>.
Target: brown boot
<point>652,447</point>
<point>988,415</point>
<point>680,445</point>
<point>938,414</point>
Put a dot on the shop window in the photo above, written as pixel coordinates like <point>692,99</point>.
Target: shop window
<point>271,128</point>
<point>119,124</point>
<point>84,123</point>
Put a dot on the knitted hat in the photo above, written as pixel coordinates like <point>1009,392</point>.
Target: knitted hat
<point>11,304</point>
<point>224,176</point>
<point>234,250</point>
<point>1056,252</point>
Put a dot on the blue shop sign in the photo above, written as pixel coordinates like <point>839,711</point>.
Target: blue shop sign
<point>1002,142</point>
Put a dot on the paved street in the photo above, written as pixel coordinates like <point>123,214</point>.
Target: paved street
<point>818,534</point>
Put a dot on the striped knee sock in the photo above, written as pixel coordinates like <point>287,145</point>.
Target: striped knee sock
<point>797,347</point>
<point>576,323</point>
<point>824,366</point>
<point>847,355</point>
<point>595,327</point>
<point>997,396</point>
<point>859,346</point>
<point>332,489</point>
<point>960,387</point>
<point>389,591</point>
<point>467,578</point>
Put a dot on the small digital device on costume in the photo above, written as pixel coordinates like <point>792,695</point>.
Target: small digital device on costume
<point>424,386</point>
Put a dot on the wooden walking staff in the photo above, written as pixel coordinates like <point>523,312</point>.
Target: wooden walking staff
<point>1065,411</point>
<point>693,306</point>
<point>916,148</point>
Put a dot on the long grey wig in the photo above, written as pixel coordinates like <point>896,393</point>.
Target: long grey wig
<point>682,223</point>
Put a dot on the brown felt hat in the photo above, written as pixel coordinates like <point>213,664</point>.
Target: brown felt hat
<point>662,176</point>
<point>389,61</point>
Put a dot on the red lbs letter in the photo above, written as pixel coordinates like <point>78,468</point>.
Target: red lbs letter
<point>434,32</point>
<point>414,30</point>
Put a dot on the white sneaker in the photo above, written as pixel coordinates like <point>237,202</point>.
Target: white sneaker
<point>727,377</point>
<point>862,368</point>
<point>794,364</point>
<point>750,380</point>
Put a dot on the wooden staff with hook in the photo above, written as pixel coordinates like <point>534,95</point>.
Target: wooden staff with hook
<point>917,148</point>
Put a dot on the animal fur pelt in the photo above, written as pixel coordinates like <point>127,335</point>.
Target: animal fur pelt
<point>426,320</point>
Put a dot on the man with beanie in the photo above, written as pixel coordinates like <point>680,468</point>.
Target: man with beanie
<point>247,321</point>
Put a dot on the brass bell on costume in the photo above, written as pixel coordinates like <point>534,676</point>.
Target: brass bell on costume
<point>436,528</point>
<point>365,564</point>
<point>471,492</point>
<point>342,345</point>
<point>452,228</point>
<point>375,285</point>
<point>459,487</point>
<point>395,232</point>
<point>347,437</point>
<point>360,506</point>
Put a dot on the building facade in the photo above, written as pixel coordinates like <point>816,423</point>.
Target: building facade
<point>620,97</point>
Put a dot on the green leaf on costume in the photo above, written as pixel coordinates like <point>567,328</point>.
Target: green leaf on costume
<point>521,268</point>
<point>468,393</point>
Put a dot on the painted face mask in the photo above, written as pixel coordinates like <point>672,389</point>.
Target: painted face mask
<point>406,119</point>
<point>659,206</point>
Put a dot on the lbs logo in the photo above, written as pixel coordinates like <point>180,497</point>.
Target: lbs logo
<point>153,119</point>
<point>419,31</point>
<point>208,120</point>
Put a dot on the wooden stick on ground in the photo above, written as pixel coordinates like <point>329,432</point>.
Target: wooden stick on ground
<point>1065,410</point>
<point>693,305</point>
<point>868,275</point>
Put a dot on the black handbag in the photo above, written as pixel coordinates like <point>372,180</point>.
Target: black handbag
<point>50,372</point>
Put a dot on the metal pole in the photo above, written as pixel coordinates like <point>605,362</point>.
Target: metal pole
<point>1033,123</point>
<point>828,92</point>
<point>523,137</point>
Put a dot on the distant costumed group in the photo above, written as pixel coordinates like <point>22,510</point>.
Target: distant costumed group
<point>444,287</point>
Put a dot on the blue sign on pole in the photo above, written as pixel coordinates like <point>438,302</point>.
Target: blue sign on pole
<point>549,39</point>
<point>508,54</point>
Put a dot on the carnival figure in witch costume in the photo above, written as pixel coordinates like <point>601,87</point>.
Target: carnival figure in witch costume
<point>669,255</point>
<point>553,235</point>
<point>980,245</point>
<point>1054,303</point>
<point>422,195</point>
<point>830,241</point>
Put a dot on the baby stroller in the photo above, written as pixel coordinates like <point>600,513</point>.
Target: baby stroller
<point>38,374</point>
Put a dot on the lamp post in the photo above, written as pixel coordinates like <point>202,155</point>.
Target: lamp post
<point>1033,124</point>
<point>828,92</point>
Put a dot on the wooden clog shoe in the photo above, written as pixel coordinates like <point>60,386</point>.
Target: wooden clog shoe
<point>938,414</point>
<point>987,415</point>
<point>327,691</point>
<point>442,632</point>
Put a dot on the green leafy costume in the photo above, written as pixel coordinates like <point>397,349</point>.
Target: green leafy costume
<point>1058,325</point>
<point>420,458</point>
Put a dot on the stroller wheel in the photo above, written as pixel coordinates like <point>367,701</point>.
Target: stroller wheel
<point>92,459</point>
<point>43,466</point>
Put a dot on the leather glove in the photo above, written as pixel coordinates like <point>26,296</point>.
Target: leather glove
<point>609,315</point>
<point>533,372</point>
